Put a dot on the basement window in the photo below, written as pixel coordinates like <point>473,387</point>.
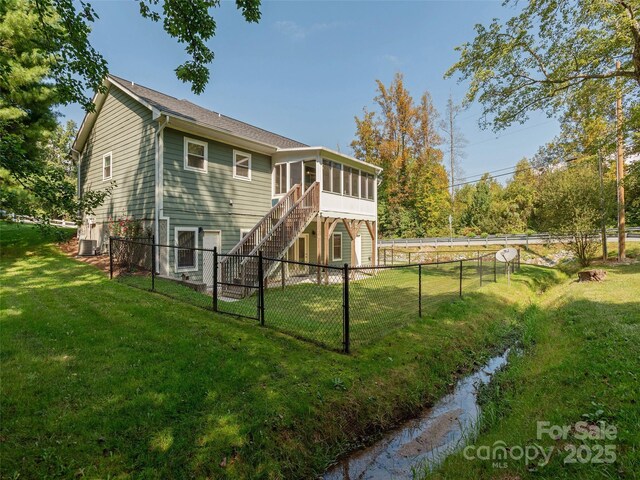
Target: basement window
<point>336,247</point>
<point>186,255</point>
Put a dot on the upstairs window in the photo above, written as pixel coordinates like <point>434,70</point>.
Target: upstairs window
<point>355,182</point>
<point>241,165</point>
<point>346,184</point>
<point>195,155</point>
<point>106,166</point>
<point>370,186</point>
<point>336,177</point>
<point>280,179</point>
<point>326,176</point>
<point>331,177</point>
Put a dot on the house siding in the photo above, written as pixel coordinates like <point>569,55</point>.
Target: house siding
<point>202,199</point>
<point>125,128</point>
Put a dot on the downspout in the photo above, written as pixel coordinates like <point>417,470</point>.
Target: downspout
<point>159,193</point>
<point>77,157</point>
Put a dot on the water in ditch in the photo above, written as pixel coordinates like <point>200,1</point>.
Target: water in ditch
<point>425,441</point>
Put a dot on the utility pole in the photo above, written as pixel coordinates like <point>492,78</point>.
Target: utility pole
<point>603,225</point>
<point>620,171</point>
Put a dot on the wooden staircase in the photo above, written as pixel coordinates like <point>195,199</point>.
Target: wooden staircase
<point>273,236</point>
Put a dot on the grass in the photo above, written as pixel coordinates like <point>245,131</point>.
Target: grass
<point>581,362</point>
<point>102,380</point>
<point>315,312</point>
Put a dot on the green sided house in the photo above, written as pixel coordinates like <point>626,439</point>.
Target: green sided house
<point>199,179</point>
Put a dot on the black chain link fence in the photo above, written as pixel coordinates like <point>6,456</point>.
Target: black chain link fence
<point>335,307</point>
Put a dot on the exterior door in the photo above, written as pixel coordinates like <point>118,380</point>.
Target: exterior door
<point>299,252</point>
<point>210,240</point>
<point>358,259</point>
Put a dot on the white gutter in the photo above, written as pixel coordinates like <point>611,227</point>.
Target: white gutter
<point>159,181</point>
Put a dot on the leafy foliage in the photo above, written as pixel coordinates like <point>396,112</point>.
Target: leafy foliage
<point>402,137</point>
<point>548,55</point>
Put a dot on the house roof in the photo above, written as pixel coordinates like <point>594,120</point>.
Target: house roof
<point>190,111</point>
<point>199,118</point>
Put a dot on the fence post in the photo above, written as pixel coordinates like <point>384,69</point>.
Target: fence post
<point>420,290</point>
<point>385,256</point>
<point>461,278</point>
<point>215,279</point>
<point>153,262</point>
<point>409,258</point>
<point>495,270</point>
<point>260,289</point>
<point>480,259</point>
<point>518,260</point>
<point>345,307</point>
<point>111,257</point>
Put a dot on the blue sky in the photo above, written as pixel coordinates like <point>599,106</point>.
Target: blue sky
<point>309,67</point>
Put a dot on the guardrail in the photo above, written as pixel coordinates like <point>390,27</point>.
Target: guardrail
<point>513,239</point>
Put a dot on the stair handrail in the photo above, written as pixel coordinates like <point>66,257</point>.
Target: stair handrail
<point>314,189</point>
<point>291,194</point>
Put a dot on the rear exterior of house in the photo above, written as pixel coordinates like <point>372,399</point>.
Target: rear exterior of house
<point>202,180</point>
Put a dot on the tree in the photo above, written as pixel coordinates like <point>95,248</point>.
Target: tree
<point>402,138</point>
<point>28,129</point>
<point>455,142</point>
<point>545,57</point>
<point>46,59</point>
<point>632,190</point>
<point>570,207</point>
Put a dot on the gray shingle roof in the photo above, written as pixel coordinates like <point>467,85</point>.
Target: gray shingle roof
<point>190,111</point>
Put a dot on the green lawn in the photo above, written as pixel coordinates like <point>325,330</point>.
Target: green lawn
<point>379,303</point>
<point>581,362</point>
<point>104,380</point>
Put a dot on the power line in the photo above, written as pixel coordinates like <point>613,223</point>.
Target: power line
<point>491,177</point>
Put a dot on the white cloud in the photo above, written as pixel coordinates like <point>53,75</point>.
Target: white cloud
<point>299,32</point>
<point>392,59</point>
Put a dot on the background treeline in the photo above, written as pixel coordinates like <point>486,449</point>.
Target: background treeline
<point>557,189</point>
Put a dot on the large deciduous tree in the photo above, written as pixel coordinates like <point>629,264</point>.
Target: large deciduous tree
<point>549,54</point>
<point>402,137</point>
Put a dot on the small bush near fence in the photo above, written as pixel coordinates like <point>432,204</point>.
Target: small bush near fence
<point>336,307</point>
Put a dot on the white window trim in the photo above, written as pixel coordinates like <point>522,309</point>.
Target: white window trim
<point>333,251</point>
<point>244,231</point>
<point>188,140</point>
<point>110,155</point>
<point>273,180</point>
<point>175,242</point>
<point>235,175</point>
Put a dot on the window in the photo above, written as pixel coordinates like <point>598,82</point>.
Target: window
<point>280,179</point>
<point>195,155</point>
<point>331,177</point>
<point>336,246</point>
<point>326,176</point>
<point>295,173</point>
<point>370,186</point>
<point>363,185</point>
<point>336,177</point>
<point>106,166</point>
<point>346,184</point>
<point>241,165</point>
<point>187,240</point>
<point>355,181</point>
